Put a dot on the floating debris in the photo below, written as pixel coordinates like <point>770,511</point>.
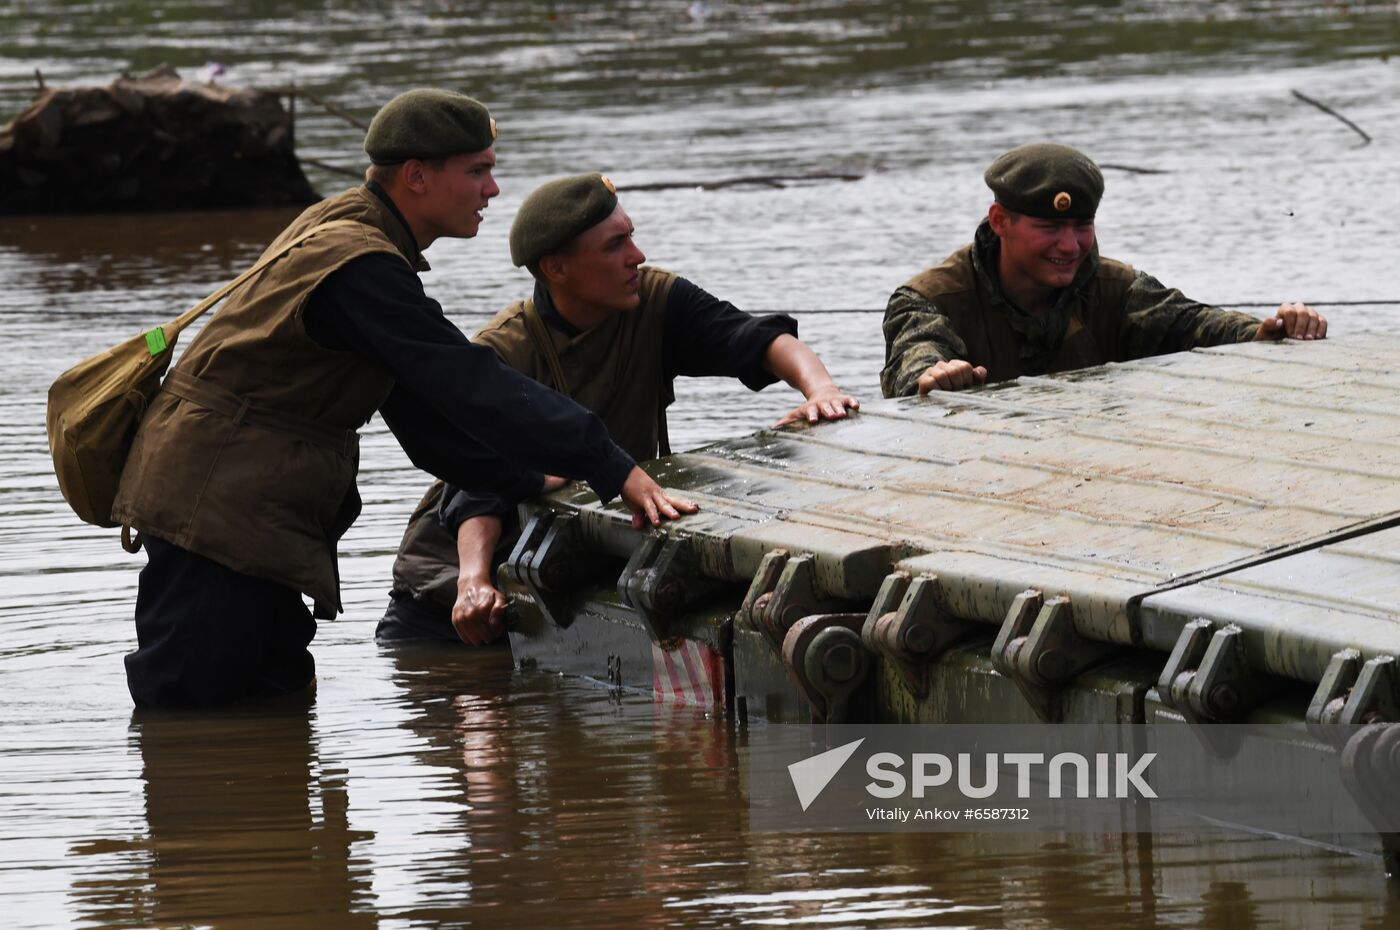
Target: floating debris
<point>761,180</point>
<point>1365,136</point>
<point>154,142</point>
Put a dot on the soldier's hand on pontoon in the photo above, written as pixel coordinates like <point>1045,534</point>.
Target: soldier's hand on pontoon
<point>478,616</point>
<point>1294,321</point>
<point>828,402</point>
<point>650,503</point>
<point>952,375</point>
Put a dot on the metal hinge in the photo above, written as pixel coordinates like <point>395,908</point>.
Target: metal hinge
<point>783,591</point>
<point>549,559</point>
<point>1040,650</point>
<point>827,662</point>
<point>1208,675</point>
<point>662,580</point>
<point>1353,692</point>
<point>908,625</point>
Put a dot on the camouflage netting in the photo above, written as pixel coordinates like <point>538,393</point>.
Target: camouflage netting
<point>150,143</point>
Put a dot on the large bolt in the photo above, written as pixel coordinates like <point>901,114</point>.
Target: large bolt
<point>520,569</point>
<point>918,639</point>
<point>758,609</point>
<point>840,663</point>
<point>791,615</point>
<point>669,595</point>
<point>1223,698</point>
<point>1179,692</point>
<point>555,575</point>
<point>1052,665</point>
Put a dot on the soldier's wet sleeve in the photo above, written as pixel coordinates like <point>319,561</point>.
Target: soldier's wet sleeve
<point>1158,319</point>
<point>917,335</point>
<point>435,444</point>
<point>457,506</point>
<point>498,419</point>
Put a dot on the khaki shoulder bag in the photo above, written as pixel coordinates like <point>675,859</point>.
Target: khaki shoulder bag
<point>96,406</point>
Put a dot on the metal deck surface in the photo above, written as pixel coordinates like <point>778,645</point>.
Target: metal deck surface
<point>1111,485</point>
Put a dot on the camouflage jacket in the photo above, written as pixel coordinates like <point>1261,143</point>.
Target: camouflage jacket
<point>1109,313</point>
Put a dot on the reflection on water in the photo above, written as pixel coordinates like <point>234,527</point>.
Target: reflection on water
<point>477,796</point>
<point>438,788</point>
<point>114,257</point>
<point>245,826</point>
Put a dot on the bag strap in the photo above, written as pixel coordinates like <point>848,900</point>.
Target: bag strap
<point>534,323</point>
<point>663,437</point>
<point>175,326</point>
<point>545,345</point>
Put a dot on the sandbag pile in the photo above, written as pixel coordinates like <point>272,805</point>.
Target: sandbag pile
<point>154,142</point>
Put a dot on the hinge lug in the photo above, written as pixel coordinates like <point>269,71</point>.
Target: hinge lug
<point>916,631</point>
<point>549,559</point>
<point>1208,676</point>
<point>1335,687</point>
<point>783,592</point>
<point>1374,698</point>
<point>662,580</point>
<point>1040,650</point>
<point>827,662</point>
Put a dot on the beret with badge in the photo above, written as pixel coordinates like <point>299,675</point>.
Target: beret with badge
<point>1047,181</point>
<point>428,123</point>
<point>556,212</point>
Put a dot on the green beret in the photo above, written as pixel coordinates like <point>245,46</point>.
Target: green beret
<point>1047,181</point>
<point>556,212</point>
<point>428,124</point>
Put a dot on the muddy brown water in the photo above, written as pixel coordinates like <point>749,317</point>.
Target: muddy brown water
<point>442,788</point>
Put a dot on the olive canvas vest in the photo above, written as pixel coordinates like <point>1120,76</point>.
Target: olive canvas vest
<point>1092,331</point>
<point>248,453</point>
<point>613,369</point>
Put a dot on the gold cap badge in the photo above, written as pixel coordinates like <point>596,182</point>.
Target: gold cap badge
<point>493,127</point>
<point>1062,201</point>
<point>607,182</point>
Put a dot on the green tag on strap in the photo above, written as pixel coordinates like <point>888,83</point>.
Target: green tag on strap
<point>155,340</point>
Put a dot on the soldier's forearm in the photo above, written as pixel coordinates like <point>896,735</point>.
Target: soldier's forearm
<point>476,541</point>
<point>796,364</point>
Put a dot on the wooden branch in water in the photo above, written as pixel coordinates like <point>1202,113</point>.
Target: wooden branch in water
<point>291,90</point>
<point>333,109</point>
<point>1331,112</point>
<point>767,180</point>
<point>1132,170</point>
<point>327,166</point>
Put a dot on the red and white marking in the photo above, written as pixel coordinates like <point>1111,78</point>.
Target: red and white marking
<point>688,672</point>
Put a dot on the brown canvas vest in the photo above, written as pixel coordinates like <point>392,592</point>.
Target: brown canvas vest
<point>248,454</point>
<point>613,369</point>
<point>980,320</point>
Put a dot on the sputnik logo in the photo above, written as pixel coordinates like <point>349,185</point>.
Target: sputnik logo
<point>811,776</point>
